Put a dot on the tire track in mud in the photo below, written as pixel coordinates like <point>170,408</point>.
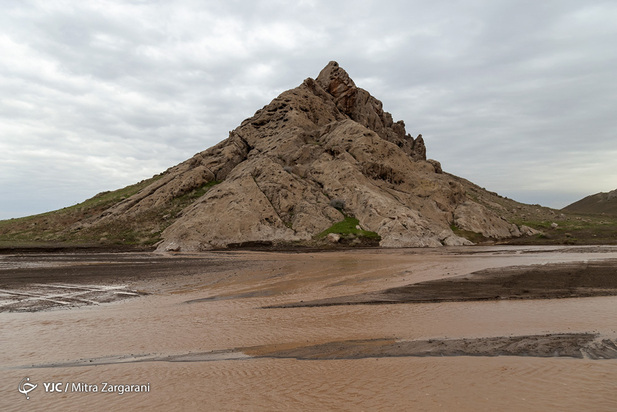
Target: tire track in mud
<point>49,296</point>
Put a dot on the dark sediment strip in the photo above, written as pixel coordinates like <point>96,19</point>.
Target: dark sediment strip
<point>574,345</point>
<point>529,282</point>
<point>571,345</point>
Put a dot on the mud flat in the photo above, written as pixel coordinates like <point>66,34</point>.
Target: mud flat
<point>481,328</point>
<point>31,282</point>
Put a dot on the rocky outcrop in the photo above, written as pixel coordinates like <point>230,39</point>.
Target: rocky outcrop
<point>315,154</point>
<point>476,218</point>
<point>528,231</point>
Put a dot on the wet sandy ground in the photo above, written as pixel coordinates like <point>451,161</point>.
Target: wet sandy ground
<point>200,336</point>
<point>32,282</point>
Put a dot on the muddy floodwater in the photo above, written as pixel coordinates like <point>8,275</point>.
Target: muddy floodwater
<point>462,329</point>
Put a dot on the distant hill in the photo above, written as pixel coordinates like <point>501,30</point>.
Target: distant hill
<point>600,203</point>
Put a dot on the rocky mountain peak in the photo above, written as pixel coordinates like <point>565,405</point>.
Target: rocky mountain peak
<point>365,109</point>
<point>318,154</point>
<point>335,80</point>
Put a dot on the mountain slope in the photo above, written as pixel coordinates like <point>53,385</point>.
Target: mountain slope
<point>600,203</point>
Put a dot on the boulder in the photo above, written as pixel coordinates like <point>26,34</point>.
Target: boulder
<point>333,237</point>
<point>528,231</point>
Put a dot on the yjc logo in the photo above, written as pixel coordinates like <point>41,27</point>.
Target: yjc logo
<point>53,386</point>
<point>26,387</point>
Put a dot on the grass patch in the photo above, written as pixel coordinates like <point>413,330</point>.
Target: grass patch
<point>347,228</point>
<point>104,200</point>
<point>195,193</point>
<point>474,237</point>
<point>572,230</point>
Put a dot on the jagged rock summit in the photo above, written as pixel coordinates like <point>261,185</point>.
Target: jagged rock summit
<point>315,155</point>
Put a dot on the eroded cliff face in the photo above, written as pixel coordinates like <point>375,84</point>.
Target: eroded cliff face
<point>283,175</point>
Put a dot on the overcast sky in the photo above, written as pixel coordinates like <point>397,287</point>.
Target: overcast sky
<point>519,97</point>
